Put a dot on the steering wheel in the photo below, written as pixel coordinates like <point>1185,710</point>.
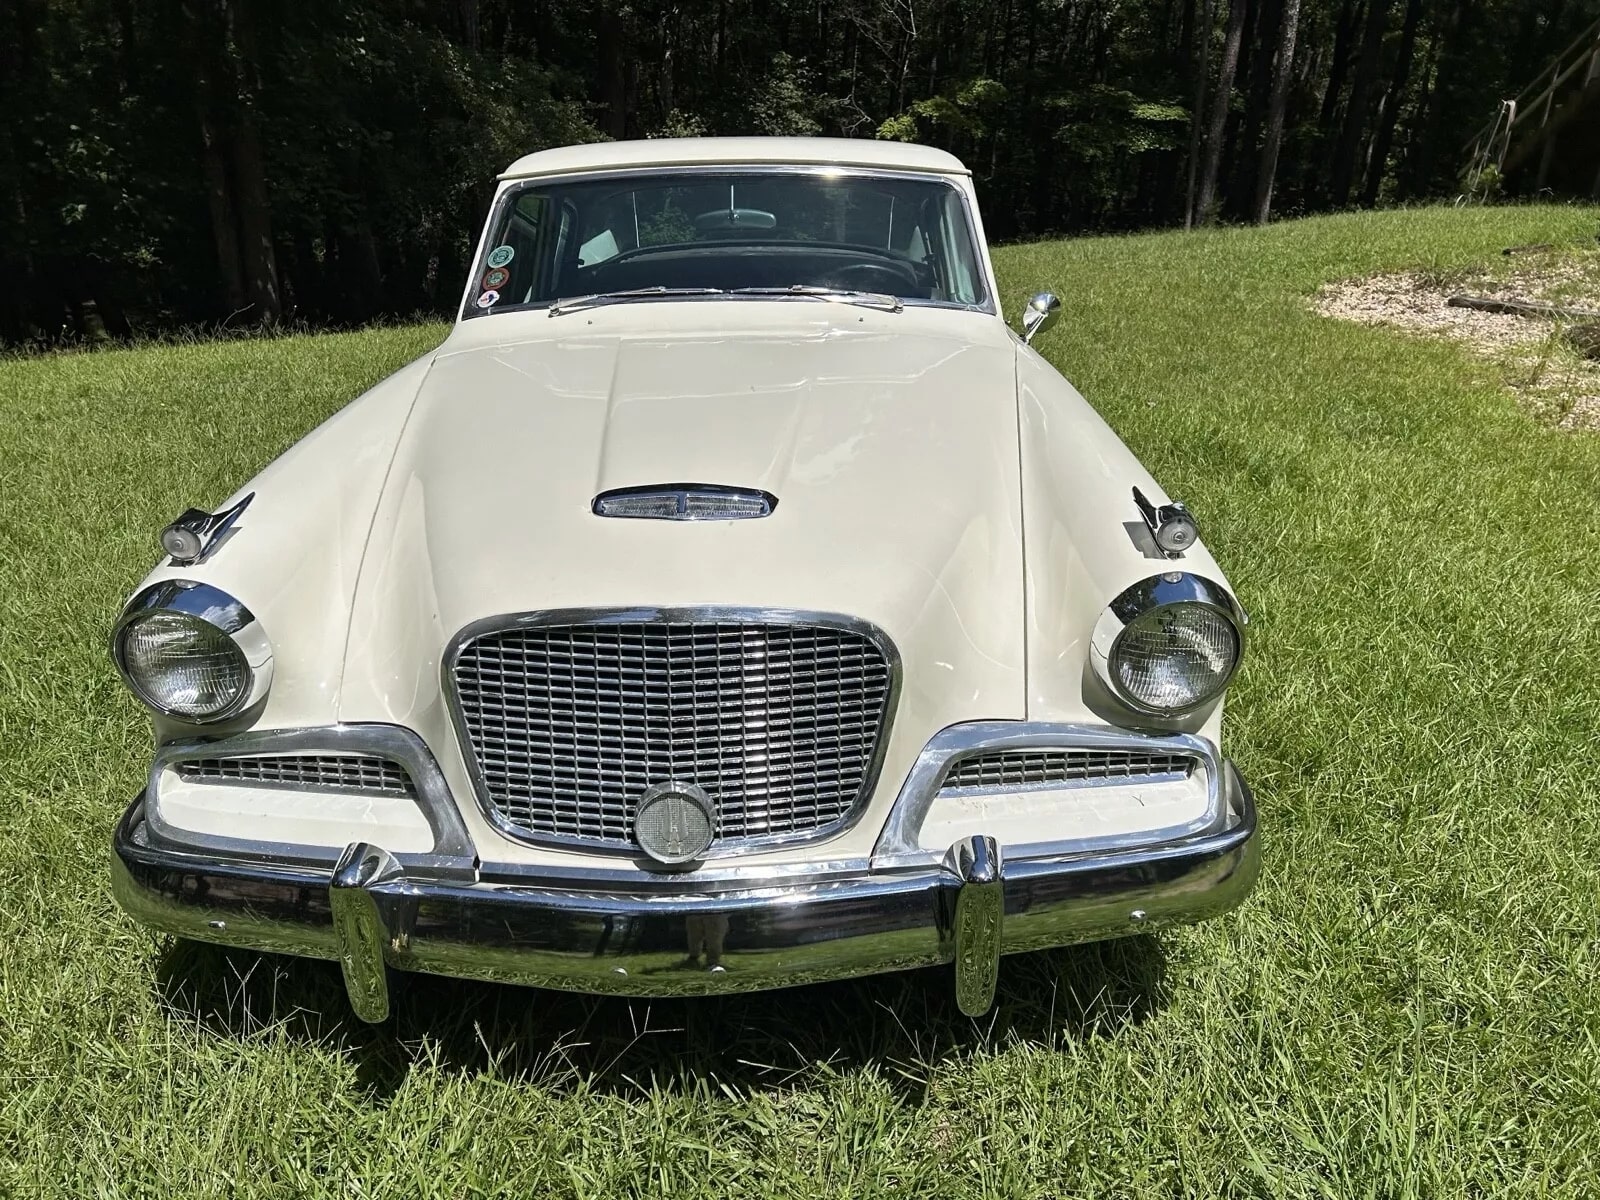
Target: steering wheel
<point>869,277</point>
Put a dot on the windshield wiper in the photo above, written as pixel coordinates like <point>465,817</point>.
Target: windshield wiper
<point>839,295</point>
<point>573,303</point>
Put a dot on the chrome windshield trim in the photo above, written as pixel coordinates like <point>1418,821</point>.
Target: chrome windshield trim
<point>512,186</point>
<point>451,843</point>
<point>899,844</point>
<point>651,615</point>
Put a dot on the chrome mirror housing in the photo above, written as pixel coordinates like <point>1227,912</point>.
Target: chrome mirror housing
<point>1040,313</point>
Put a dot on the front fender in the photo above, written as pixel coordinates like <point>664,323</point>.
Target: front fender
<point>1083,545</point>
<point>294,555</point>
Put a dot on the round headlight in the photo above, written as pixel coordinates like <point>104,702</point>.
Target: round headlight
<point>1169,644</point>
<point>191,651</point>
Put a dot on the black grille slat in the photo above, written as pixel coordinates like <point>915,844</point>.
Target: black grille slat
<point>320,772</point>
<point>1064,767</point>
<point>569,724</point>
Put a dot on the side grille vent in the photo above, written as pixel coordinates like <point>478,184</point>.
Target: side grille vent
<point>1035,768</point>
<point>304,772</point>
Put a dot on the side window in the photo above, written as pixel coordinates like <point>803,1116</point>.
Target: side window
<point>961,270</point>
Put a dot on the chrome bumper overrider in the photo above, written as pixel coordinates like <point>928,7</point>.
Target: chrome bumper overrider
<point>371,913</point>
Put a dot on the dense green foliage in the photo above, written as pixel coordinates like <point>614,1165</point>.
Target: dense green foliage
<point>1407,1007</point>
<point>174,162</point>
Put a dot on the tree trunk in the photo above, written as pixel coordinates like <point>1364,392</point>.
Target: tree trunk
<point>1389,106</point>
<point>1355,117</point>
<point>219,200</point>
<point>1219,111</point>
<point>1203,38</point>
<point>1275,110</point>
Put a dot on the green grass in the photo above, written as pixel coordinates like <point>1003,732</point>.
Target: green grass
<point>1407,1007</point>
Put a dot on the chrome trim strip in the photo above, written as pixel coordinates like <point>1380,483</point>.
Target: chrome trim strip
<point>452,845</point>
<point>618,941</point>
<point>215,607</point>
<point>900,842</point>
<point>508,196</point>
<point>644,615</point>
<point>1170,587</point>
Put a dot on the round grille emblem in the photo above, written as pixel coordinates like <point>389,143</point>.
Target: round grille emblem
<point>674,822</point>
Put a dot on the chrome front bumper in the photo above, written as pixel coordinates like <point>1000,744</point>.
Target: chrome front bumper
<point>371,913</point>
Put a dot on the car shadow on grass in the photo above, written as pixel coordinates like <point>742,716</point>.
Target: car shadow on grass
<point>905,1023</point>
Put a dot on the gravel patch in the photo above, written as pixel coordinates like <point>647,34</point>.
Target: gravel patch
<point>1554,383</point>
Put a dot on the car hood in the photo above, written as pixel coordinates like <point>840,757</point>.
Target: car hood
<point>889,440</point>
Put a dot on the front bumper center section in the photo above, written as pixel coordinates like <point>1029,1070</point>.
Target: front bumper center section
<point>372,914</point>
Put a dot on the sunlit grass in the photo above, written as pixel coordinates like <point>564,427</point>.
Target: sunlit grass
<point>1407,1006</point>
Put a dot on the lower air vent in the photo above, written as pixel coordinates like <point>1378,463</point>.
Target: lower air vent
<point>303,772</point>
<point>1012,770</point>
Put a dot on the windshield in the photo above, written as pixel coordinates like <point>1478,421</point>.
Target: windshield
<point>694,233</point>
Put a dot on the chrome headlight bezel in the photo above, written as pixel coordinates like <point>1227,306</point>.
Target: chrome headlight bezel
<point>206,603</point>
<point>1168,589</point>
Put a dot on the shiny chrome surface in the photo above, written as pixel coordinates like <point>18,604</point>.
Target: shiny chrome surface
<point>617,939</point>
<point>566,717</point>
<point>359,930</point>
<point>1172,527</point>
<point>979,912</point>
<point>1170,587</point>
<point>452,852</point>
<point>196,533</point>
<point>355,773</point>
<point>1028,768</point>
<point>685,502</point>
<point>216,607</point>
<point>899,844</point>
<point>1041,312</point>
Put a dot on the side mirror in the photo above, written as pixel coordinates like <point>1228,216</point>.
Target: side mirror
<point>1040,313</point>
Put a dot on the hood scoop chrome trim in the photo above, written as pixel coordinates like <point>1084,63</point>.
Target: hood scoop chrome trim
<point>685,502</point>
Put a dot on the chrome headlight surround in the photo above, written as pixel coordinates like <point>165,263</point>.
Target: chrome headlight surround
<point>203,604</point>
<point>1167,590</point>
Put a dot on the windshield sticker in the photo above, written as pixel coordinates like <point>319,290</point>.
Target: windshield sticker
<point>495,277</point>
<point>488,298</point>
<point>501,255</point>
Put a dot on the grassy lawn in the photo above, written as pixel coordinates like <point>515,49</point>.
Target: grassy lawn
<point>1408,1006</point>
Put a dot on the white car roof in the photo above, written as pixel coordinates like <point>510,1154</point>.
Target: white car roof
<point>679,152</point>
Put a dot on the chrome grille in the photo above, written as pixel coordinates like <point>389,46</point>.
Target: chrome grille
<point>1000,770</point>
<point>313,772</point>
<point>569,724</point>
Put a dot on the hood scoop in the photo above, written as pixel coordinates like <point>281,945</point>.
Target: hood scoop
<point>685,502</point>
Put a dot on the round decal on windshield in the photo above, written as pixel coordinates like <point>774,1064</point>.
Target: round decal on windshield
<point>501,255</point>
<point>495,277</point>
<point>488,298</point>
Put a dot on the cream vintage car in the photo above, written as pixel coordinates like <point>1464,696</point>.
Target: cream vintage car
<point>731,601</point>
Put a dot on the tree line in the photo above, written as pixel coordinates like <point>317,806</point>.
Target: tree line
<point>170,163</point>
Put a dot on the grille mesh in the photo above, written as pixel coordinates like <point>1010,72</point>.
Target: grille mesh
<point>322,772</point>
<point>1042,768</point>
<point>569,724</point>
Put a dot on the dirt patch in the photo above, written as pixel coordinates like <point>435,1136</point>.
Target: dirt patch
<point>1549,377</point>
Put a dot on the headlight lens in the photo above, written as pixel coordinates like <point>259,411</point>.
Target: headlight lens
<point>1176,657</point>
<point>183,665</point>
<point>1168,644</point>
<point>191,651</point>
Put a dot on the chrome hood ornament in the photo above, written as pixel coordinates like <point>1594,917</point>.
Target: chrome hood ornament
<point>685,502</point>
